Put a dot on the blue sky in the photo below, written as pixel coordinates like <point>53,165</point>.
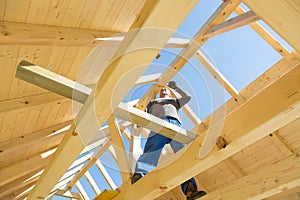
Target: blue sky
<point>240,55</point>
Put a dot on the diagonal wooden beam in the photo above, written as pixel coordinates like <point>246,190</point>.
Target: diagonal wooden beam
<point>82,191</point>
<point>116,139</point>
<point>92,182</point>
<point>280,105</point>
<point>106,175</point>
<point>233,23</point>
<point>167,14</point>
<point>217,74</point>
<point>33,34</point>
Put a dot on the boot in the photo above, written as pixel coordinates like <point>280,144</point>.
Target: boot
<point>192,192</point>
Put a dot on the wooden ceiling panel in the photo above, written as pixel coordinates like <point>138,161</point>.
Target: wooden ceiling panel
<point>89,14</point>
<point>291,135</point>
<point>217,177</point>
<point>260,154</point>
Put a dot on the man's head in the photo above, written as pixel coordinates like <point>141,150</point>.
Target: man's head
<point>164,93</point>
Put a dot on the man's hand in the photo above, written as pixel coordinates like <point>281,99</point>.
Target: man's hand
<point>172,85</point>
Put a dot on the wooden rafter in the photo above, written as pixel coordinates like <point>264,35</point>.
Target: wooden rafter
<point>217,74</point>
<point>116,139</point>
<point>233,23</point>
<point>33,34</point>
<point>106,175</point>
<point>92,182</point>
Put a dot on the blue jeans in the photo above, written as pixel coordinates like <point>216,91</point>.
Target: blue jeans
<point>152,150</point>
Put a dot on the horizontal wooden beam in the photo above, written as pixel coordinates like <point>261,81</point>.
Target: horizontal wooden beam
<point>233,23</point>
<point>13,33</point>
<point>270,109</point>
<point>263,183</point>
<point>51,81</point>
<point>143,119</point>
<point>78,92</point>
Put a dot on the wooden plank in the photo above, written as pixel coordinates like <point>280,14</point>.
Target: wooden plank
<point>56,12</point>
<point>31,138</point>
<point>2,10</point>
<point>82,191</point>
<point>285,194</point>
<point>233,23</point>
<point>266,36</point>
<point>173,42</point>
<point>282,16</point>
<point>161,15</point>
<point>281,144</point>
<point>92,182</point>
<point>33,34</point>
<point>8,59</point>
<point>264,182</point>
<point>280,105</point>
<point>153,123</point>
<point>52,81</point>
<point>14,10</point>
<point>37,12</point>
<point>72,17</point>
<point>116,139</point>
<point>216,74</point>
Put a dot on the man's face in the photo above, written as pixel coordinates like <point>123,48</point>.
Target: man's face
<point>164,92</point>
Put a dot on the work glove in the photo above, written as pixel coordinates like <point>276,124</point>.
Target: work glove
<point>172,85</point>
